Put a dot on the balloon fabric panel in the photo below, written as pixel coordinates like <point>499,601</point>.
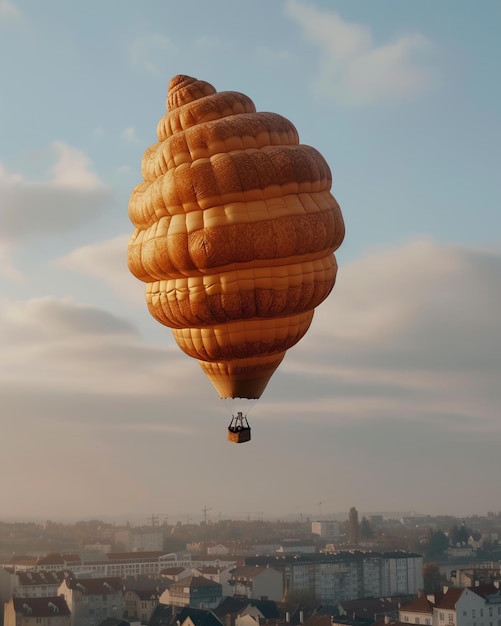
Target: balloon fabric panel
<point>235,230</point>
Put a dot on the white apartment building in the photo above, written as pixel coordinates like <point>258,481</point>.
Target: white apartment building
<point>326,529</point>
<point>349,575</point>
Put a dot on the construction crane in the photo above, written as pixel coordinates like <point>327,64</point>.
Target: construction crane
<point>204,511</point>
<point>154,519</point>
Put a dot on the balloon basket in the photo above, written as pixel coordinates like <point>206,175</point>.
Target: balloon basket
<point>239,430</point>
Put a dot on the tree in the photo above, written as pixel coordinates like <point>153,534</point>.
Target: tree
<point>437,545</point>
<point>432,578</point>
<point>366,531</point>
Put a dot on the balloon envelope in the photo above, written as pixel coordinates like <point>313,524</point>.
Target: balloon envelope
<point>235,230</point>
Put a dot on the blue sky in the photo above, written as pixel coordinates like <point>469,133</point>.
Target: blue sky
<point>392,401</point>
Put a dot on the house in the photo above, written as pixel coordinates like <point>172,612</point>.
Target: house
<point>253,581</point>
<point>219,575</point>
<point>193,591</point>
<point>140,604</point>
<point>91,600</point>
<point>373,608</point>
<point>469,606</point>
<point>189,616</point>
<point>417,611</point>
<point>37,612</point>
<point>38,584</point>
<point>175,574</point>
<point>233,610</point>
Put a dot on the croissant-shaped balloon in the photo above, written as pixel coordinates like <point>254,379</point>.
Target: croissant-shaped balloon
<point>235,230</point>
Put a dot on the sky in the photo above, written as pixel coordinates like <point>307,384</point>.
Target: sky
<point>392,401</point>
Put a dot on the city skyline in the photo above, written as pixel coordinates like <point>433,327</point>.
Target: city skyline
<point>392,400</point>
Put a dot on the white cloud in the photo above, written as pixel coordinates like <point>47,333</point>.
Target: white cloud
<point>54,347</point>
<point>409,332</point>
<point>106,261</point>
<point>353,68</point>
<point>129,134</point>
<point>72,196</point>
<point>406,349</point>
<point>7,269</point>
<point>150,52</point>
<point>9,12</point>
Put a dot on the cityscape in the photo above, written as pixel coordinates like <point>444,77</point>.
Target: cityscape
<point>356,570</point>
<point>250,340</point>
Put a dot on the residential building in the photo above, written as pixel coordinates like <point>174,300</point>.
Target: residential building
<point>348,575</point>
<point>91,600</point>
<point>140,540</point>
<point>373,608</point>
<point>221,575</point>
<point>189,616</point>
<point>469,606</point>
<point>37,584</point>
<point>37,612</point>
<point>194,591</point>
<point>233,609</point>
<point>457,606</point>
<point>417,611</point>
<point>297,546</point>
<point>111,564</point>
<point>251,581</point>
<point>140,604</point>
<point>326,529</point>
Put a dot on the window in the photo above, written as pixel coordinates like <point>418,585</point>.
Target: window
<point>406,618</point>
<point>441,617</point>
<point>427,621</point>
<point>473,613</point>
<point>451,618</point>
<point>481,612</point>
<point>490,611</point>
<point>417,620</point>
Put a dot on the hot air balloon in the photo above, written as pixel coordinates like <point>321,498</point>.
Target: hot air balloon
<point>235,233</point>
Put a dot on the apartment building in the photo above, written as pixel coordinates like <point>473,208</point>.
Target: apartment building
<point>37,612</point>
<point>348,575</point>
<point>91,600</point>
<point>195,592</point>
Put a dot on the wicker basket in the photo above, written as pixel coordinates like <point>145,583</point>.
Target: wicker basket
<point>239,436</point>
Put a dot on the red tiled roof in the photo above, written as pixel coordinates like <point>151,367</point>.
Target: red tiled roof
<point>41,607</point>
<point>28,579</point>
<point>488,589</point>
<point>194,582</point>
<point>247,571</point>
<point>95,586</point>
<point>418,605</point>
<point>450,598</point>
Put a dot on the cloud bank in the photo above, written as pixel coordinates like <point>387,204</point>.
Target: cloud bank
<point>353,68</point>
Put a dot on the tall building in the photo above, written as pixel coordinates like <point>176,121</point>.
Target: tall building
<point>349,575</point>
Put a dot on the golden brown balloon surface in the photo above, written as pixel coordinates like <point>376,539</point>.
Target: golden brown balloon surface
<point>235,230</point>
